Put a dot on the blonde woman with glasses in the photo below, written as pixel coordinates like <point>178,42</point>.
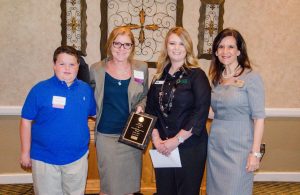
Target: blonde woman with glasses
<point>121,84</point>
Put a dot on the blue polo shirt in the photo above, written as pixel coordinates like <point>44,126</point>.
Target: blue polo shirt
<point>59,133</point>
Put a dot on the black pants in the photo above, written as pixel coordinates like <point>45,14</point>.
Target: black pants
<point>187,179</point>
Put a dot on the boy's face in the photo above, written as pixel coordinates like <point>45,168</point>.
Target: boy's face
<point>66,68</point>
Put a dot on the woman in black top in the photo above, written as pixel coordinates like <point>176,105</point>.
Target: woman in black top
<point>180,97</point>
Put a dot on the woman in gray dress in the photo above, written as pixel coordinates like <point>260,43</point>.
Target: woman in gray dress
<point>237,129</point>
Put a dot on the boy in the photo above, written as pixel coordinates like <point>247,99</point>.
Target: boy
<point>54,130</point>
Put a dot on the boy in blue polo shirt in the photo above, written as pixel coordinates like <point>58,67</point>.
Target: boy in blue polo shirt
<point>54,130</point>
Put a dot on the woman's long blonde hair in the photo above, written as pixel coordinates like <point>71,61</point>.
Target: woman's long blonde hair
<point>190,60</point>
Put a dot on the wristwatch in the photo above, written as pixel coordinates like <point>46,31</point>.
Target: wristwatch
<point>180,139</point>
<point>257,154</point>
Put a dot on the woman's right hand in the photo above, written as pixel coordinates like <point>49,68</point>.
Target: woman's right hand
<point>139,109</point>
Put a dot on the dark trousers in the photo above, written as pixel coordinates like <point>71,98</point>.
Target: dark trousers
<point>187,179</point>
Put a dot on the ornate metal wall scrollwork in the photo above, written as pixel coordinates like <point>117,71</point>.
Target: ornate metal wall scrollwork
<point>210,24</point>
<point>149,21</point>
<point>73,22</point>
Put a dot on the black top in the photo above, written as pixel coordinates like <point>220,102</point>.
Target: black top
<point>83,72</point>
<point>190,104</point>
<point>115,109</point>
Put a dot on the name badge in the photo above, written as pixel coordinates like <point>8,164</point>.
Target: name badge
<point>183,81</point>
<point>159,82</point>
<point>238,83</point>
<point>138,76</point>
<point>58,102</point>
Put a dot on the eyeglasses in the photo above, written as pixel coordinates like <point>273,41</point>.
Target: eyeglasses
<point>125,45</point>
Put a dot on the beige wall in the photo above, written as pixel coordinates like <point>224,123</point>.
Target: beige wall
<point>282,145</point>
<point>30,31</point>
<point>9,145</point>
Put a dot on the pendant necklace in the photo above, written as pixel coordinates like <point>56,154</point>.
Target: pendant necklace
<point>122,73</point>
<point>167,108</point>
<point>231,74</point>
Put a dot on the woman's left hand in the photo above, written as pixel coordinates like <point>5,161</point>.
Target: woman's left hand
<point>139,109</point>
<point>252,163</point>
<point>171,144</point>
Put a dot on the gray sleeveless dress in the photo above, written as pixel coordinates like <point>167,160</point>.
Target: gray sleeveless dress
<point>231,137</point>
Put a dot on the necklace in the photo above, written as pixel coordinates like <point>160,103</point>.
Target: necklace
<point>231,74</point>
<point>122,69</point>
<point>167,108</point>
<point>122,72</point>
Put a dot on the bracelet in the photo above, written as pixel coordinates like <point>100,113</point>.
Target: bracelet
<point>256,154</point>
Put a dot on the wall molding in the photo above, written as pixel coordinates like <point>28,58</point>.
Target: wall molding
<point>270,112</point>
<point>18,178</point>
<point>277,176</point>
<point>283,112</point>
<point>10,110</point>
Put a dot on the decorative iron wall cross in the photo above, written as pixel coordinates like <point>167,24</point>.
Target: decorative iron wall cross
<point>149,20</point>
<point>142,25</point>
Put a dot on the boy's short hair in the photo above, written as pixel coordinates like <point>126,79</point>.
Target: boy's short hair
<point>68,50</point>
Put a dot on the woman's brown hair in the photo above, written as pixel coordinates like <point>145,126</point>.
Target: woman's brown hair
<point>216,67</point>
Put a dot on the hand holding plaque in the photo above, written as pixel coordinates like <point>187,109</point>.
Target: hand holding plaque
<point>138,130</point>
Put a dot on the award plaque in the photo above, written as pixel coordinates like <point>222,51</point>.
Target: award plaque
<point>138,130</point>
